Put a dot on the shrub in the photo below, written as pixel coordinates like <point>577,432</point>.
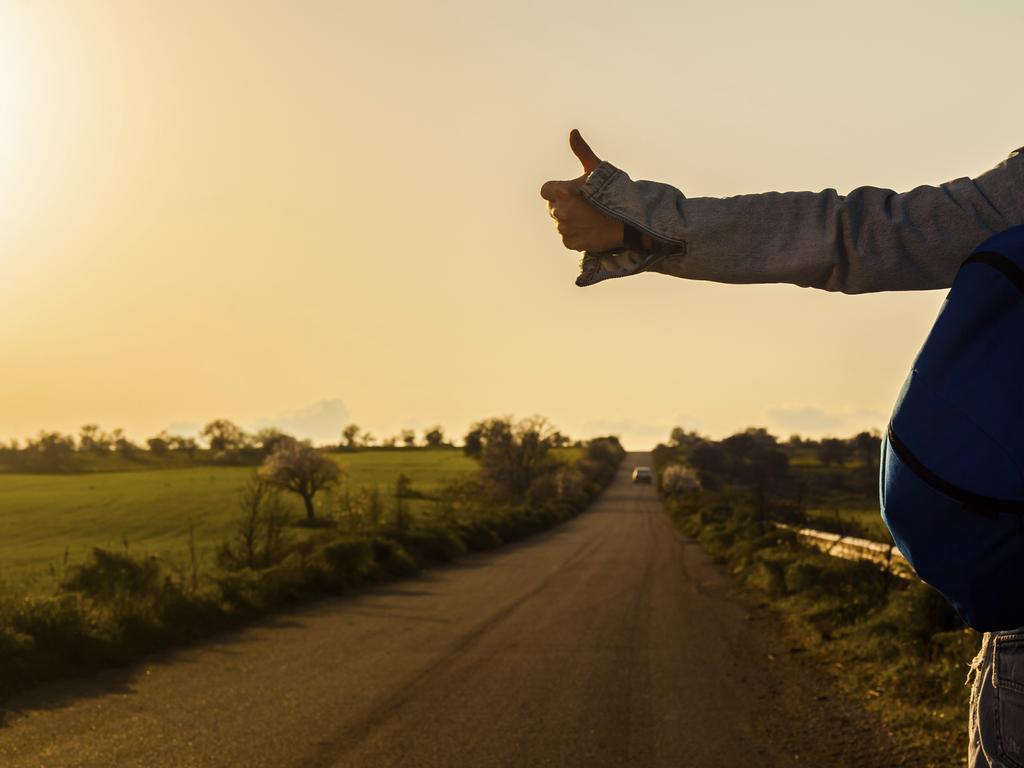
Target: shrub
<point>135,601</point>
<point>461,500</point>
<point>479,535</point>
<point>393,558</point>
<point>916,614</point>
<point>769,577</point>
<point>260,538</point>
<point>427,546</point>
<point>111,576</point>
<point>802,576</point>
<point>53,626</point>
<point>348,561</point>
<point>678,479</point>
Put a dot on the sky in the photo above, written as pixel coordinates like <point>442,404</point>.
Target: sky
<point>310,213</point>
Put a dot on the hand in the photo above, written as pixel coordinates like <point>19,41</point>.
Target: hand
<point>582,227</point>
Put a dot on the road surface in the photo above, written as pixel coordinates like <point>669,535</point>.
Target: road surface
<point>610,641</point>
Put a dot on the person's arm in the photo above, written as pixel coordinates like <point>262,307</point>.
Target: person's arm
<point>869,240</point>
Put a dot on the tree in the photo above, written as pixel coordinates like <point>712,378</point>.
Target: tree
<point>434,437</point>
<point>121,443</point>
<point>832,450</point>
<point>251,501</point>
<point>259,530</point>
<point>766,466</point>
<point>751,457</point>
<point>91,439</point>
<point>751,441</point>
<point>408,436</point>
<point>350,435</point>
<point>472,443</point>
<point>223,435</point>
<point>51,451</point>
<point>710,460</point>
<point>558,440</point>
<point>268,438</point>
<point>185,444</point>
<point>367,440</point>
<point>296,466</point>
<point>159,444</point>
<point>512,456</point>
<point>868,445</point>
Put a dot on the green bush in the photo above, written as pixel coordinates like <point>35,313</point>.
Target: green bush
<point>479,535</point>
<point>393,559</point>
<point>803,576</point>
<point>286,584</point>
<point>346,561</point>
<point>133,601</point>
<point>52,627</point>
<point>916,614</point>
<point>428,546</point>
<point>112,576</point>
<point>768,577</point>
<point>716,540</point>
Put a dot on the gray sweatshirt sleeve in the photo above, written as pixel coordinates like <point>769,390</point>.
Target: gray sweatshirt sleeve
<point>869,240</point>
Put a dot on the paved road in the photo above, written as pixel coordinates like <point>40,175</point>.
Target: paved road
<point>610,641</point>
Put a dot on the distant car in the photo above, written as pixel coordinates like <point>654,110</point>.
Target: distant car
<point>643,475</point>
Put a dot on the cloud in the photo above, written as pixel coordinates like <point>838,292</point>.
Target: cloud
<point>320,422</point>
<point>184,428</point>
<point>815,422</point>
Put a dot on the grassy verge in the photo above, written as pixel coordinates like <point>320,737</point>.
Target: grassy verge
<point>894,645</point>
<point>115,605</point>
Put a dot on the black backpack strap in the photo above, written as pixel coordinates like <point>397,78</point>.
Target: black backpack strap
<point>987,506</point>
<point>1005,265</point>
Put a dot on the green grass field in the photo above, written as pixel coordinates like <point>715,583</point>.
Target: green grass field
<point>42,517</point>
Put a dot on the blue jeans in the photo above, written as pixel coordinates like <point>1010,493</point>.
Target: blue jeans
<point>996,723</point>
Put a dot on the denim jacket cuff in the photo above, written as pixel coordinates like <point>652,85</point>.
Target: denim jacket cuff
<point>612,192</point>
<point>595,267</point>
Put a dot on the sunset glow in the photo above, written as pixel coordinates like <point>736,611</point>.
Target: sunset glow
<point>239,210</point>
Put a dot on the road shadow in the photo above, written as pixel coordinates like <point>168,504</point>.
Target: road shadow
<point>120,680</point>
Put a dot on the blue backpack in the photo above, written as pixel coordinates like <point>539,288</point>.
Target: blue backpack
<point>952,468</point>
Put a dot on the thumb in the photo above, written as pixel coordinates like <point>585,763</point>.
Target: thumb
<point>553,191</point>
<point>582,150</point>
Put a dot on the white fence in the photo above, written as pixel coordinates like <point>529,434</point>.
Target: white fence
<point>885,556</point>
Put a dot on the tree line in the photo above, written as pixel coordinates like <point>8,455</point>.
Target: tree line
<point>516,463</point>
<point>220,441</point>
<point>864,446</point>
<point>759,461</point>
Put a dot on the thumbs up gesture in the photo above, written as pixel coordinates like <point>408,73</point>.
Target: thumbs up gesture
<point>582,227</point>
